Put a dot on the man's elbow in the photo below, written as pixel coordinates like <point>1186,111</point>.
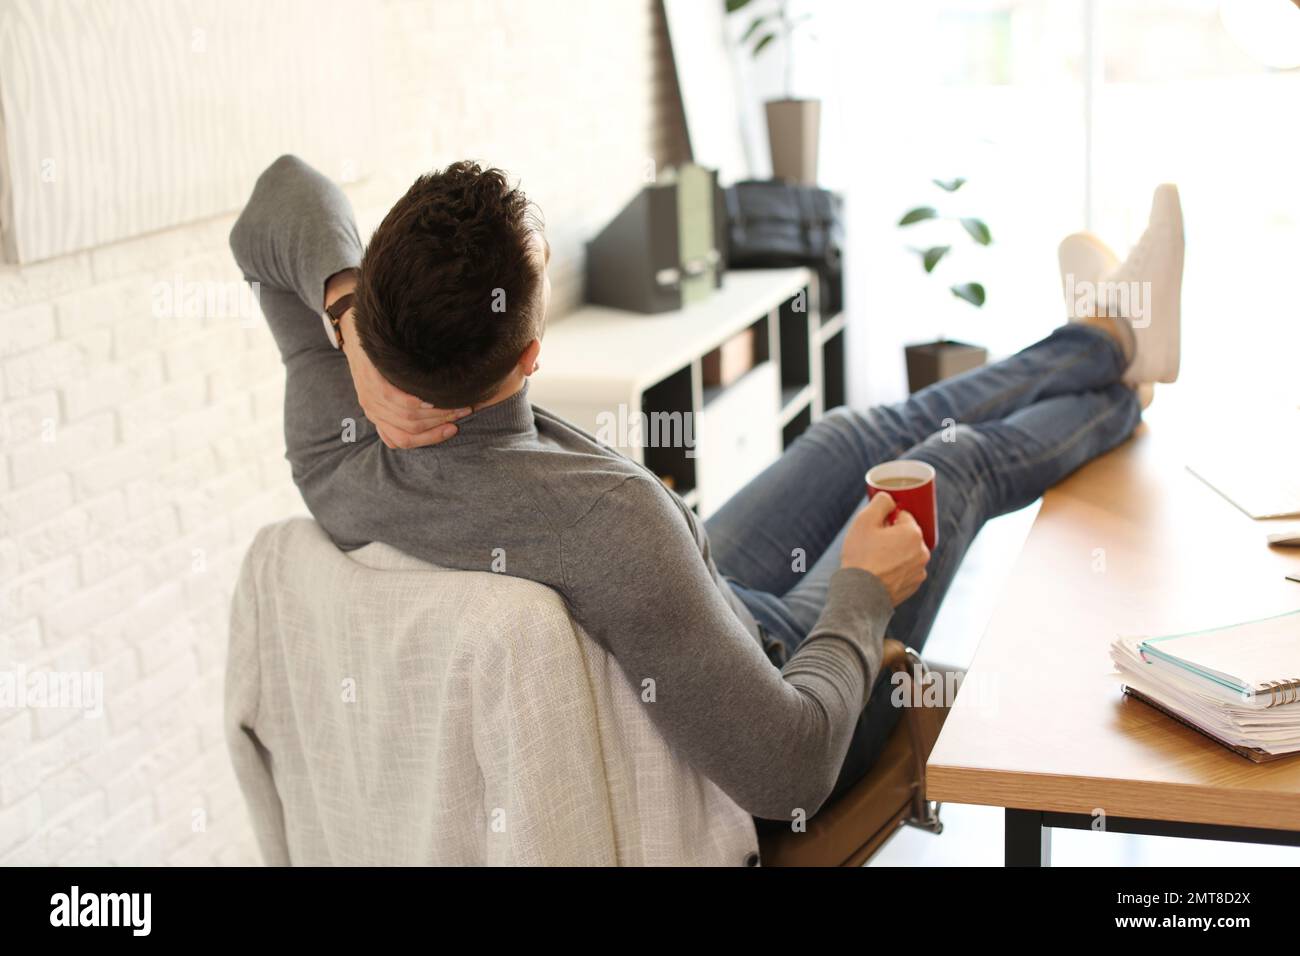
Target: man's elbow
<point>255,218</point>
<point>798,796</point>
<point>243,237</point>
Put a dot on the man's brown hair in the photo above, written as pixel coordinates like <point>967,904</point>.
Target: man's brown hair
<point>450,290</point>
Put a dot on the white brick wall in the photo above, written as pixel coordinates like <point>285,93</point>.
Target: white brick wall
<point>138,455</point>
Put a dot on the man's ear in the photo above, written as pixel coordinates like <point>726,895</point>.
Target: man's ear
<point>528,363</point>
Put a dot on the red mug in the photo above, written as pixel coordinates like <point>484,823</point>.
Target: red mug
<point>911,485</point>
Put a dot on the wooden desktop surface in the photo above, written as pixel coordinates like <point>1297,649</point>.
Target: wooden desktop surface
<point>1132,543</point>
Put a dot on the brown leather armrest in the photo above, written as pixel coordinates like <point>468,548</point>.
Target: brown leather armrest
<point>894,657</point>
<point>923,723</point>
<point>848,831</point>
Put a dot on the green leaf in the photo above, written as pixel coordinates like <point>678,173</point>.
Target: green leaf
<point>734,5</point>
<point>972,292</point>
<point>758,47</point>
<point>930,257</point>
<point>978,231</point>
<point>950,186</point>
<point>752,29</point>
<point>919,214</point>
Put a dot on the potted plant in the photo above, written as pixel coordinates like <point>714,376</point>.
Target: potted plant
<point>793,125</point>
<point>930,362</point>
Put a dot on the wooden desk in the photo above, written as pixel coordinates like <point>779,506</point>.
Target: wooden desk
<point>1132,543</point>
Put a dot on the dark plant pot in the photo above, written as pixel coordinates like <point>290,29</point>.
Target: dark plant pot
<point>934,361</point>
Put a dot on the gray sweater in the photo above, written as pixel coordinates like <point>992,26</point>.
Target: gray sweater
<point>520,490</point>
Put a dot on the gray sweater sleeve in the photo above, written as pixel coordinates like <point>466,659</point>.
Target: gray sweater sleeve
<point>296,231</point>
<point>773,740</point>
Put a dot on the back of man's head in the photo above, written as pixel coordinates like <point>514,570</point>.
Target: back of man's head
<point>450,291</point>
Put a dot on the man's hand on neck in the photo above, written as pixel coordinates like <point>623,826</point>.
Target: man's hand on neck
<point>402,420</point>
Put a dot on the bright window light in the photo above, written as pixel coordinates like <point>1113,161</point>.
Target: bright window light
<point>1267,30</point>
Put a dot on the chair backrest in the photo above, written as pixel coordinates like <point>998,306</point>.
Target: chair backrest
<point>380,710</point>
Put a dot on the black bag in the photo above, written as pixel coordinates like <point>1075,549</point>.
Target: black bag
<point>772,223</point>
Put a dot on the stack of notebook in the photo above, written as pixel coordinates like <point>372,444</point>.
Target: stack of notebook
<point>1239,685</point>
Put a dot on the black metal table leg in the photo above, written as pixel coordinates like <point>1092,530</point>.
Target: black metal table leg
<point>1028,842</point>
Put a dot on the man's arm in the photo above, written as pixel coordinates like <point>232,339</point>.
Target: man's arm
<point>296,231</point>
<point>296,241</point>
<point>774,741</point>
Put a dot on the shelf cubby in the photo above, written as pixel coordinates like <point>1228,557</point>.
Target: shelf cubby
<point>599,361</point>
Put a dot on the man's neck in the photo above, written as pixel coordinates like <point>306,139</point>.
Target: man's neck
<point>509,388</point>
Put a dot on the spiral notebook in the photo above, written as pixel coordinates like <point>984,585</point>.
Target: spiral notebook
<point>1256,660</point>
<point>1239,685</point>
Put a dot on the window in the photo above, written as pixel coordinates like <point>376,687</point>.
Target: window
<point>1061,113</point>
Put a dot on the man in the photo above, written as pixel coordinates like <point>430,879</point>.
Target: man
<point>766,679</point>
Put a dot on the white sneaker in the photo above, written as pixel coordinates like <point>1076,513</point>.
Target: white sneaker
<point>1085,263</point>
<point>1147,289</point>
<point>1085,260</point>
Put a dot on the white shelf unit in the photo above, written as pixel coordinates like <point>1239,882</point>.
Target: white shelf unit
<point>636,382</point>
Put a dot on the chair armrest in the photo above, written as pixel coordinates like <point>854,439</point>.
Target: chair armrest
<point>923,723</point>
<point>895,657</point>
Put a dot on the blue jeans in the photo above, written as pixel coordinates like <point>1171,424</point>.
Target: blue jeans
<point>997,437</point>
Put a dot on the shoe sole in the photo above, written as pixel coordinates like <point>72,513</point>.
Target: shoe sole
<point>1176,299</point>
<point>1178,289</point>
